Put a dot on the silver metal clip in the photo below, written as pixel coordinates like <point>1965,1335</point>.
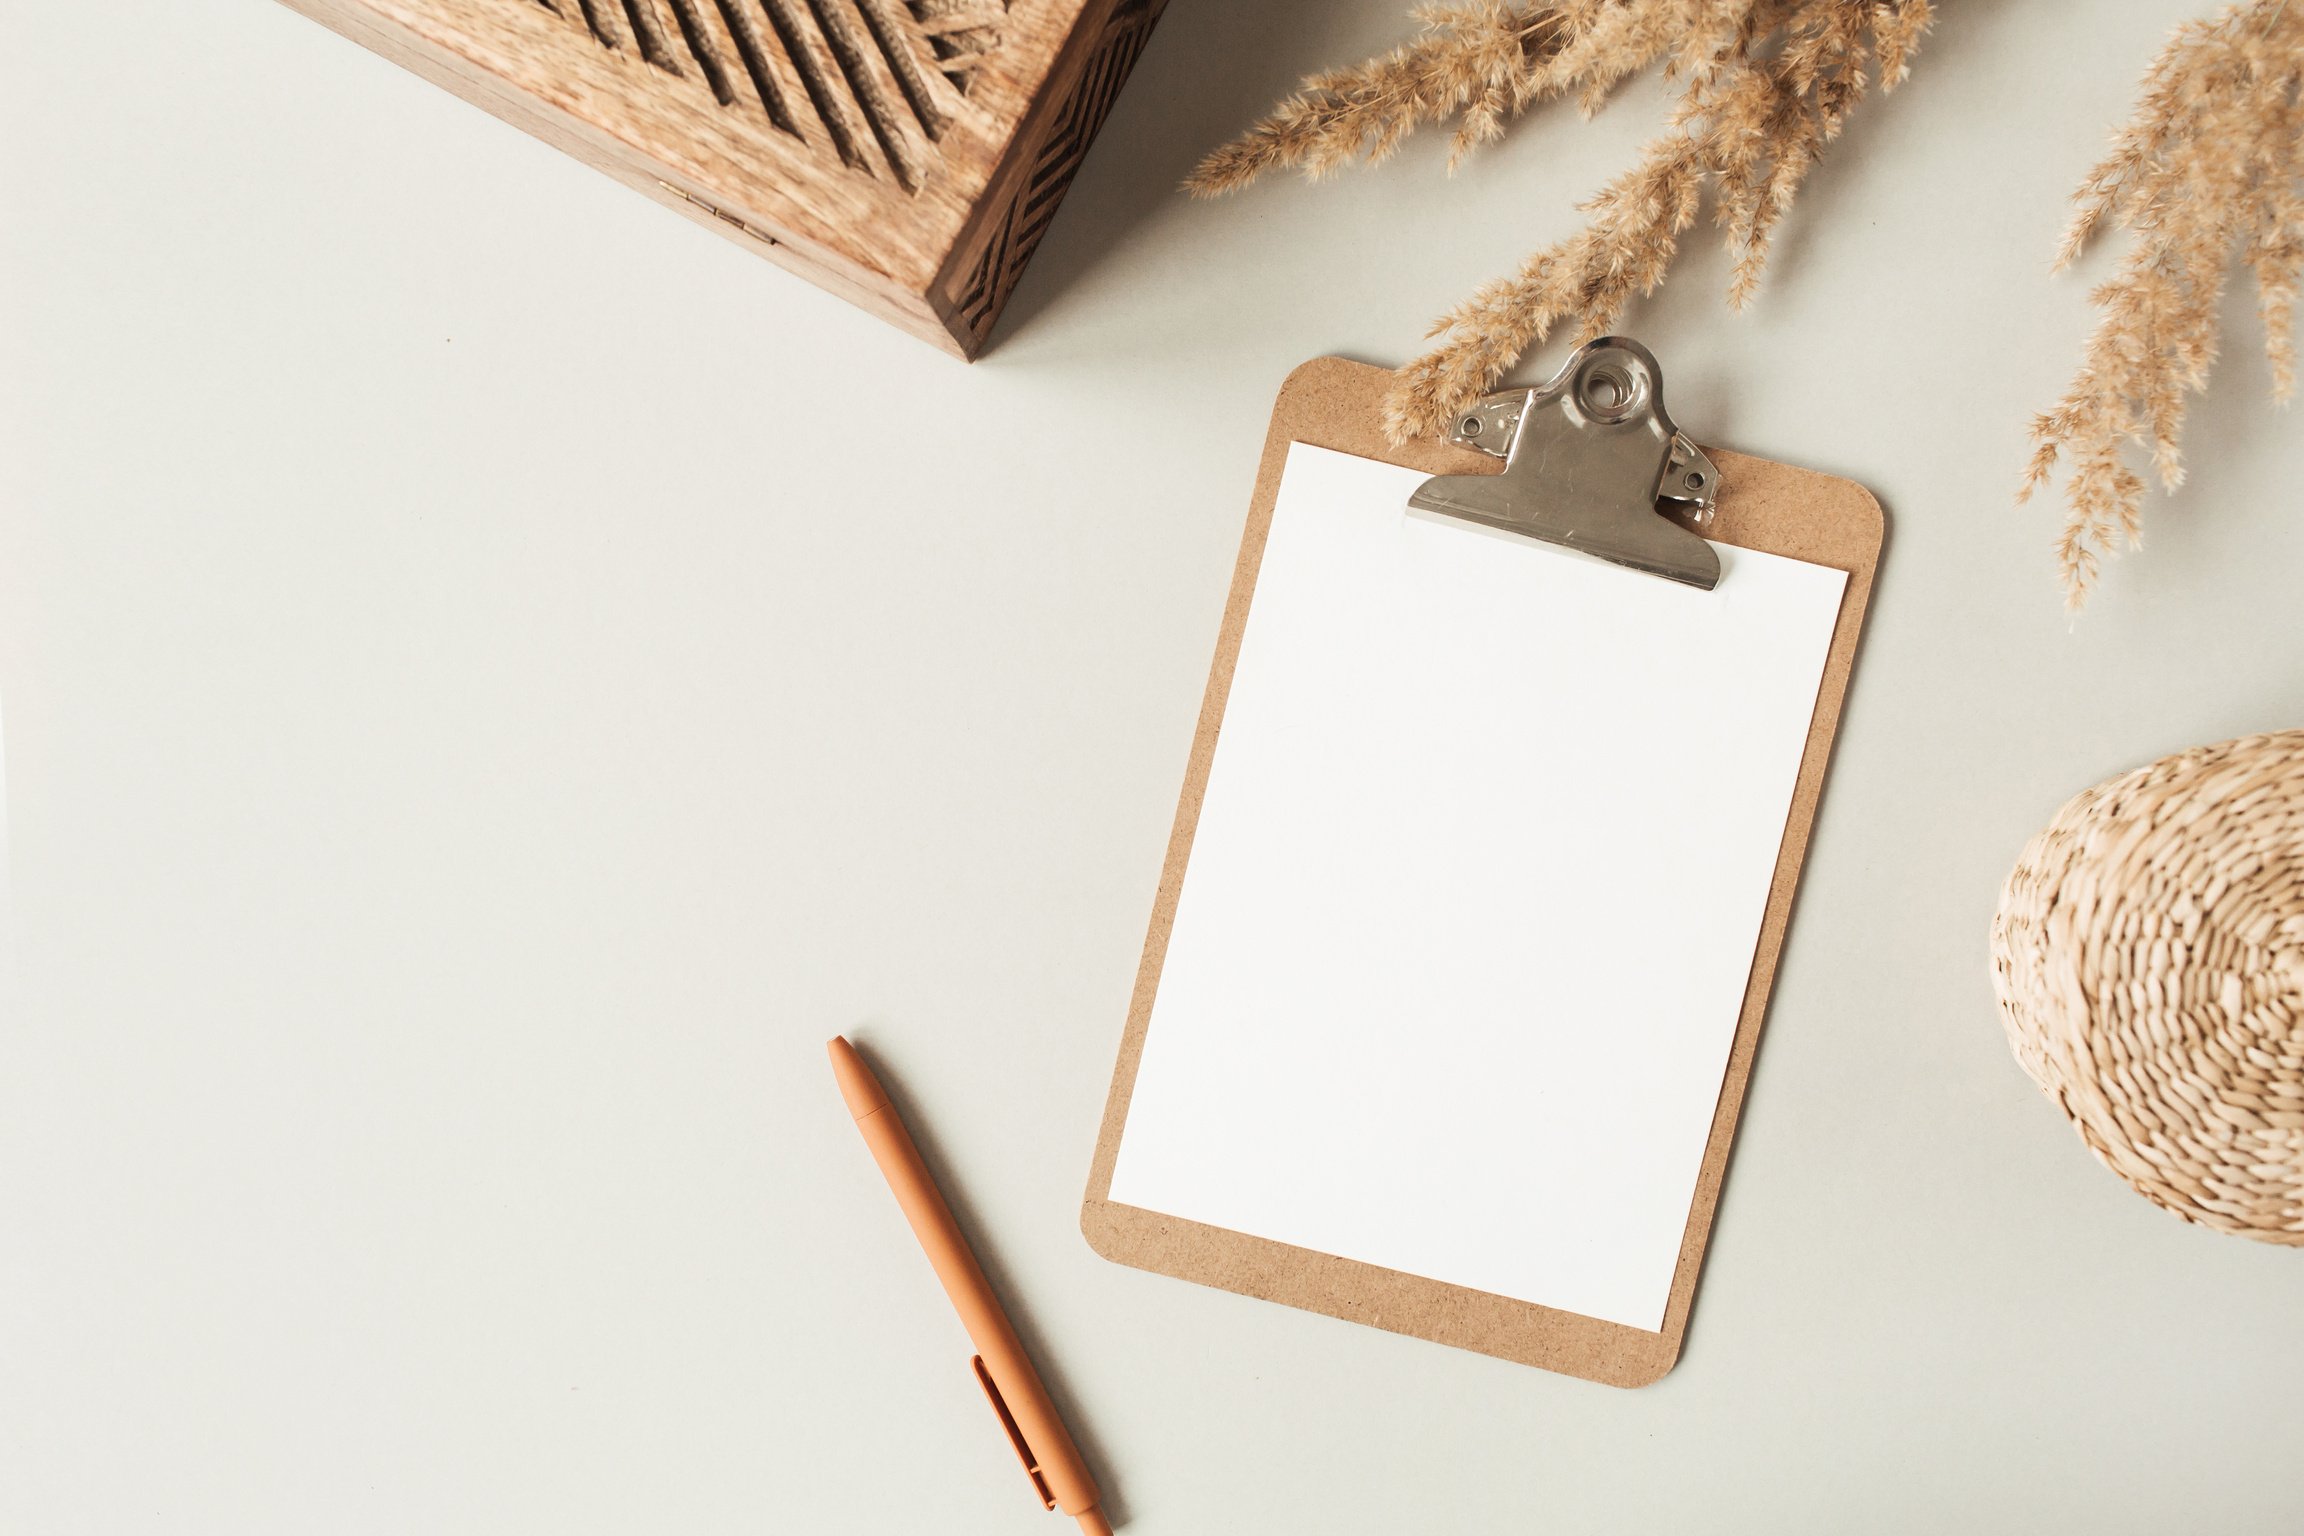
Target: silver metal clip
<point>1591,462</point>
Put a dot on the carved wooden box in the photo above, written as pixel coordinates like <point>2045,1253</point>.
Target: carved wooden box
<point>905,154</point>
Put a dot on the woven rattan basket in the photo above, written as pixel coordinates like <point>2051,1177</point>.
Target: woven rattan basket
<point>2149,960</point>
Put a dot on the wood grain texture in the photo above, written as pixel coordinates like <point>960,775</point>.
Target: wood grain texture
<point>905,154</point>
<point>1332,403</point>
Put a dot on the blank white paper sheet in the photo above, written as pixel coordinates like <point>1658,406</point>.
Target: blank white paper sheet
<point>1473,898</point>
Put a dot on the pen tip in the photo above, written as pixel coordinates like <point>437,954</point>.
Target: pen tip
<point>858,1086</point>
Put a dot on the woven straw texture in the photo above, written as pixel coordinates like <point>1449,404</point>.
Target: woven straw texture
<point>2149,960</point>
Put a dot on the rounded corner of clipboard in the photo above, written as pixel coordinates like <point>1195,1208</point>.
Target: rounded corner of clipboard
<point>1865,510</point>
<point>1323,389</point>
<point>1100,1230</point>
<point>1606,1354</point>
<point>1650,1369</point>
<point>1316,371</point>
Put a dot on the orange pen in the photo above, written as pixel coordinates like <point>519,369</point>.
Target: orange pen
<point>1058,1474</point>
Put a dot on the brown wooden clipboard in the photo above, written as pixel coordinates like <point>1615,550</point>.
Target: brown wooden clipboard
<point>1333,403</point>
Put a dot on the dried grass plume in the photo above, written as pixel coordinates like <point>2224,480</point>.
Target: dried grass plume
<point>2207,170</point>
<point>1764,86</point>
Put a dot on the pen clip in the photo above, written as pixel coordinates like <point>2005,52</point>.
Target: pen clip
<point>1015,1435</point>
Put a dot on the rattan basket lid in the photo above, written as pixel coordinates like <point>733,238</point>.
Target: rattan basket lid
<point>2149,960</point>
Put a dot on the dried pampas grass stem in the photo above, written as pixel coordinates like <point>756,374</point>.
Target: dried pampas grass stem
<point>2209,169</point>
<point>1764,86</point>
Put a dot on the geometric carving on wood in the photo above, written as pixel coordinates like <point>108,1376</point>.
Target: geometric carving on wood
<point>1027,218</point>
<point>872,83</point>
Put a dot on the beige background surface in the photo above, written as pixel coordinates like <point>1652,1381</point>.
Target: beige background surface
<point>493,676</point>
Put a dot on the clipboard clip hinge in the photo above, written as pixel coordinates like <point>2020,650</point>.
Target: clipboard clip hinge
<point>1591,463</point>
<point>1015,1433</point>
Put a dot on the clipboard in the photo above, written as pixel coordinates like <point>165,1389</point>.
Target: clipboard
<point>1737,500</point>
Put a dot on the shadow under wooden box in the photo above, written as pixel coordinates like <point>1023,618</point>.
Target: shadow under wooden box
<point>907,155</point>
